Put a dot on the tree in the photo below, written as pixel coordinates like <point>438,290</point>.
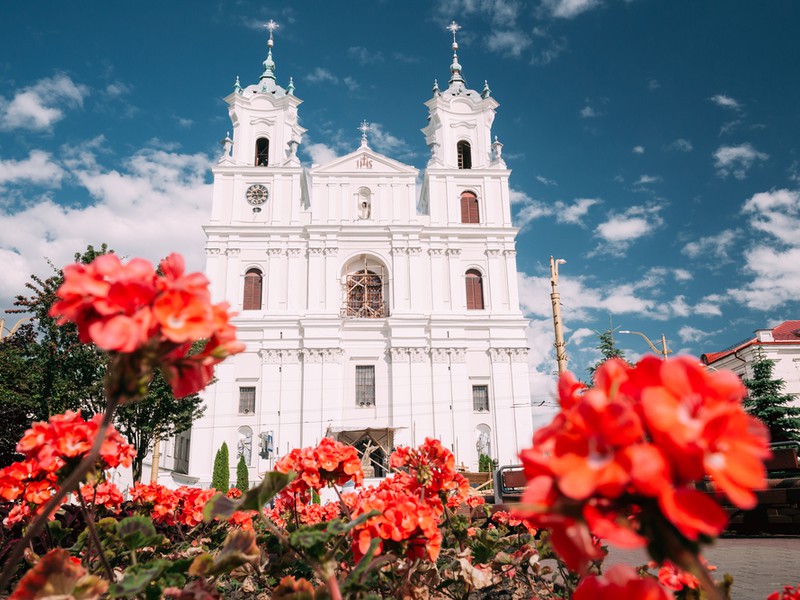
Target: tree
<point>242,475</point>
<point>607,349</point>
<point>767,401</point>
<point>64,373</point>
<point>221,477</point>
<point>17,391</point>
<point>159,415</point>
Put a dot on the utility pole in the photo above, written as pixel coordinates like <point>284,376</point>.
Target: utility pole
<point>555,298</point>
<point>156,459</point>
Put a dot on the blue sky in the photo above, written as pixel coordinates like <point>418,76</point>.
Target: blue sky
<point>654,144</point>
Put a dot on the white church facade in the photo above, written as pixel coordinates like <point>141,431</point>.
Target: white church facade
<point>372,312</point>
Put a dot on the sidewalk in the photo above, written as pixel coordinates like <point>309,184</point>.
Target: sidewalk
<point>759,565</point>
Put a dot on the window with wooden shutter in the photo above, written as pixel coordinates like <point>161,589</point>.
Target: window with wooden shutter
<point>262,152</point>
<point>469,208</point>
<point>253,281</point>
<point>474,290</point>
<point>464,151</point>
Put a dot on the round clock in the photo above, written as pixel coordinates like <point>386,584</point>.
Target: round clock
<point>257,194</point>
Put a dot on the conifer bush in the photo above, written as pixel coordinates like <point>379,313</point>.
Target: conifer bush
<point>221,476</point>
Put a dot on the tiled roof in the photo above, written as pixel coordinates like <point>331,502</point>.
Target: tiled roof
<point>788,331</point>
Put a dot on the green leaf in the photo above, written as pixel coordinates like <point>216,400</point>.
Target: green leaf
<point>138,532</point>
<point>253,499</point>
<point>136,579</point>
<point>239,548</point>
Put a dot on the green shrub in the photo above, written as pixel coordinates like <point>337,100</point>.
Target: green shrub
<point>242,475</point>
<point>221,478</point>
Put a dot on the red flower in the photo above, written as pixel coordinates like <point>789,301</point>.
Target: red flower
<point>58,575</point>
<point>789,593</point>
<point>620,582</point>
<point>331,462</point>
<point>129,308</point>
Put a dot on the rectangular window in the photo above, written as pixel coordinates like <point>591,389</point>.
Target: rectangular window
<point>247,400</point>
<point>365,385</point>
<point>480,398</point>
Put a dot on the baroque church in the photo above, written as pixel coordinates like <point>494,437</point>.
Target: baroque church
<point>373,312</point>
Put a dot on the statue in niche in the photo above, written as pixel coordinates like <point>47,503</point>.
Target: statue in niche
<point>366,460</point>
<point>227,147</point>
<point>364,203</point>
<point>482,445</point>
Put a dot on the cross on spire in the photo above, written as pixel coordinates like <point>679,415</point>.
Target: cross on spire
<point>364,128</point>
<point>453,27</point>
<point>271,26</point>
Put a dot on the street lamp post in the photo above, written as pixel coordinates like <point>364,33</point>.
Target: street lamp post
<point>663,351</point>
<point>555,297</point>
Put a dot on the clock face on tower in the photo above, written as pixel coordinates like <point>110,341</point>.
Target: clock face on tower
<point>257,194</point>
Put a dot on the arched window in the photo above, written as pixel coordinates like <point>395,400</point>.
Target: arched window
<point>365,295</point>
<point>244,445</point>
<point>474,290</point>
<point>253,281</point>
<point>262,152</point>
<point>464,151</point>
<point>469,208</point>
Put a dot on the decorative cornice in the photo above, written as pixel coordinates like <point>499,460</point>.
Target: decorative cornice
<point>415,251</point>
<point>493,252</point>
<point>275,251</point>
<point>274,356</point>
<point>506,354</point>
<point>399,251</point>
<point>331,251</point>
<point>443,355</point>
<point>232,252</point>
<point>296,251</point>
<point>454,252</point>
<point>319,355</point>
<point>510,253</point>
<point>316,251</point>
<point>436,251</point>
<point>213,251</point>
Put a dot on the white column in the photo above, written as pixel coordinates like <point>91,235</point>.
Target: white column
<point>234,279</point>
<point>400,278</point>
<point>276,285</point>
<point>288,433</point>
<point>402,409</point>
<point>440,395</point>
<point>511,279</point>
<point>439,295</point>
<point>333,377</point>
<point>313,390</point>
<point>463,447</point>
<point>316,279</point>
<point>295,281</point>
<point>422,424</point>
<point>332,290</point>
<point>497,286</point>
<point>457,291</point>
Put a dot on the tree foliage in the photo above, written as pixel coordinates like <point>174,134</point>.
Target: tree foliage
<point>607,348</point>
<point>242,475</point>
<point>159,415</point>
<point>18,385</point>
<point>50,371</point>
<point>767,401</point>
<point>221,476</point>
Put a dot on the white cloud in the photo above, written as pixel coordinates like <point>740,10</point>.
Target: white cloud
<point>364,56</point>
<point>653,85</point>
<point>682,275</point>
<point>580,334</point>
<point>680,145</point>
<point>117,89</point>
<point>776,213</point>
<point>647,180</point>
<point>574,213</point>
<point>320,154</point>
<point>620,230</point>
<point>41,105</point>
<point>38,168</point>
<point>508,42</point>
<point>134,210</point>
<point>546,181</point>
<point>687,333</point>
<point>320,75</point>
<point>715,247</point>
<point>725,102</point>
<point>387,143</point>
<point>568,213</point>
<point>587,112</point>
<point>568,9</point>
<point>185,123</point>
<point>736,160</point>
<point>638,150</point>
<point>774,261</point>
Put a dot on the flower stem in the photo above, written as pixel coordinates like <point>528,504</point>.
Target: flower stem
<point>333,587</point>
<point>70,484</point>
<point>95,538</point>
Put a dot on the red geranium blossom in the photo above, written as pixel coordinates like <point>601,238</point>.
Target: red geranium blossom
<point>620,582</point>
<point>130,308</point>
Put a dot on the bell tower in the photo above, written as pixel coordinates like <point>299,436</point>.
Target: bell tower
<point>463,156</point>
